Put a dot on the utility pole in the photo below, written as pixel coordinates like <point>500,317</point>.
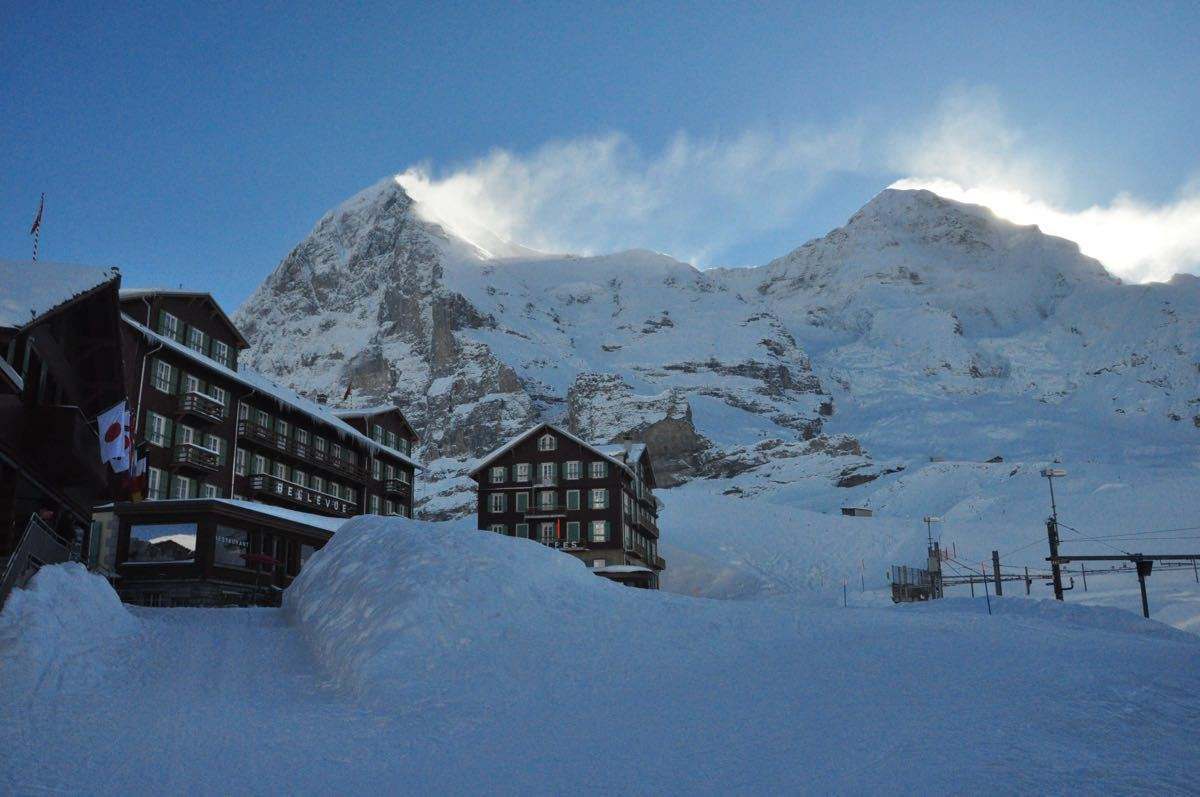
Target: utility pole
<point>996,569</point>
<point>1144,567</point>
<point>933,556</point>
<point>1028,581</point>
<point>1052,531</point>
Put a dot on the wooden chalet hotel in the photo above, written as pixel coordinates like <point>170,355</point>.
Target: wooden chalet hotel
<point>245,478</point>
<point>60,366</point>
<point>595,502</point>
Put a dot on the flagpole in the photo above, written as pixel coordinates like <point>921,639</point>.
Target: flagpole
<point>36,229</point>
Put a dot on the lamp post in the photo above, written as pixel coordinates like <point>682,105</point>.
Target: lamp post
<point>1052,531</point>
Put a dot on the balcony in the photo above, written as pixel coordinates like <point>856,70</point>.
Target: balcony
<point>189,456</point>
<point>396,487</point>
<point>307,453</point>
<point>201,406</point>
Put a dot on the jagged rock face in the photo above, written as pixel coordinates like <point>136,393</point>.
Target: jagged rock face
<point>922,326</point>
<point>604,407</point>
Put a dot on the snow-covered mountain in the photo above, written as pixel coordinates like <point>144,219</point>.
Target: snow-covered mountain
<point>922,329</point>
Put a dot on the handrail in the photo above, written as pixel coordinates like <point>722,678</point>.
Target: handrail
<point>21,552</point>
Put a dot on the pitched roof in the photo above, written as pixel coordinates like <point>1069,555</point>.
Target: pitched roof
<point>504,449</point>
<point>141,293</point>
<point>30,290</point>
<point>283,395</point>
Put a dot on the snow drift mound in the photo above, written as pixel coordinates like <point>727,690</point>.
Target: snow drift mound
<point>390,597</point>
<point>65,615</point>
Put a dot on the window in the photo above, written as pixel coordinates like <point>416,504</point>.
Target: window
<point>391,439</point>
<point>281,433</point>
<point>195,339</point>
<point>182,487</point>
<point>389,471</point>
<point>599,498</point>
<point>156,484</point>
<point>547,442</point>
<point>220,394</point>
<point>335,489</point>
<point>209,491</point>
<point>571,470</point>
<point>599,563</point>
<point>546,473</point>
<point>162,542</point>
<point>318,484</point>
<point>499,528</point>
<point>389,507</point>
<point>335,451</point>
<point>403,476</point>
<point>162,377</point>
<point>158,429</point>
<point>546,500</point>
<point>279,471</point>
<point>523,530</point>
<point>230,547</point>
<point>376,469</point>
<point>220,353</point>
<point>184,435</point>
<point>169,325</point>
<point>191,384</point>
<point>219,445</point>
<point>548,531</point>
<point>243,410</point>
<point>627,534</point>
<point>260,464</point>
<point>262,419</point>
<point>300,477</point>
<point>572,499</point>
<point>377,433</point>
<point>599,470</point>
<point>599,530</point>
<point>573,531</point>
<point>522,502</point>
<point>239,461</point>
<point>374,501</point>
<point>498,474</point>
<point>319,444</point>
<point>496,502</point>
<point>302,437</point>
<point>521,472</point>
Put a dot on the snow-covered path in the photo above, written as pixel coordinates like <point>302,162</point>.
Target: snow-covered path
<point>463,662</point>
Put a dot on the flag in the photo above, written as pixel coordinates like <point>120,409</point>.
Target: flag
<point>116,442</point>
<point>138,486</point>
<point>37,222</point>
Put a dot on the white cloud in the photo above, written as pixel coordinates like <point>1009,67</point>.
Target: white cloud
<point>601,193</point>
<point>972,153</point>
<point>696,198</point>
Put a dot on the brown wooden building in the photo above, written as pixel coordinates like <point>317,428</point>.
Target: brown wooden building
<point>216,430</point>
<point>213,551</point>
<point>595,502</point>
<point>60,344</point>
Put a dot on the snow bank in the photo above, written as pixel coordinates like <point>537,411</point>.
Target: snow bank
<point>61,619</point>
<point>388,597</point>
<point>1075,615</point>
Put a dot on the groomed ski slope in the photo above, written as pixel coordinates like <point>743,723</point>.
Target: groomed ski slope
<point>415,657</point>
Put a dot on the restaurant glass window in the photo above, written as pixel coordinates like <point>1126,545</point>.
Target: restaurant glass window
<point>162,542</point>
<point>230,547</point>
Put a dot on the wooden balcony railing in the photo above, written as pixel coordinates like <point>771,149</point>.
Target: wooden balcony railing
<point>201,406</point>
<point>189,456</point>
<point>396,487</point>
<point>306,452</point>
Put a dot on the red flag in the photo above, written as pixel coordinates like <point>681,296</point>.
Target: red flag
<point>37,222</point>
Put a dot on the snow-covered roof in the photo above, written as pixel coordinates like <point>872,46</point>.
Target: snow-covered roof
<point>141,293</point>
<point>283,395</point>
<point>330,524</point>
<point>364,412</point>
<point>29,290</point>
<point>504,449</point>
<point>630,452</point>
<point>622,569</point>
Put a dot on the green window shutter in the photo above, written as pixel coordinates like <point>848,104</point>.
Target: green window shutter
<point>608,530</point>
<point>169,431</point>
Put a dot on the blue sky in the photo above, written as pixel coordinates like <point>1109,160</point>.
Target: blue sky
<point>197,144</point>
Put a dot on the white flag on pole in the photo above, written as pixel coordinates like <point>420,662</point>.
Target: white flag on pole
<point>116,442</point>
